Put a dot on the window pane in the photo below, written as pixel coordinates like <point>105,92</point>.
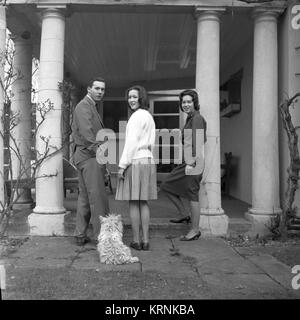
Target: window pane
<point>166,107</point>
<point>169,154</point>
<point>113,112</point>
<point>166,122</point>
<point>165,168</point>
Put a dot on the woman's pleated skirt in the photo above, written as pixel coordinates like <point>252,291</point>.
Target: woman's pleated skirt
<point>139,182</point>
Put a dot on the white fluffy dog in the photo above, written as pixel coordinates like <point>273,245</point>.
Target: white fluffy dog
<point>110,246</point>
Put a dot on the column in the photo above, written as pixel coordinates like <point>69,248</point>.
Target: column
<point>213,221</point>
<point>21,106</point>
<point>2,53</point>
<point>48,214</point>
<point>265,167</point>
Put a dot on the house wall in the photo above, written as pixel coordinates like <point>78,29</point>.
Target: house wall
<point>289,84</point>
<point>236,131</point>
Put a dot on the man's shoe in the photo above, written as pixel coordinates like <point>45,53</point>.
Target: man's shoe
<point>186,219</point>
<point>81,241</point>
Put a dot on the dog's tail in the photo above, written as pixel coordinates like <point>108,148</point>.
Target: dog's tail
<point>134,259</point>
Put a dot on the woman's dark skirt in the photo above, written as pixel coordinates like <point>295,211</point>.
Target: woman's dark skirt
<point>180,184</point>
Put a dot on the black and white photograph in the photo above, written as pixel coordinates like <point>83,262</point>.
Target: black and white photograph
<point>150,158</point>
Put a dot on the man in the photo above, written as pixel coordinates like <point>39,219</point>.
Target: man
<point>92,199</point>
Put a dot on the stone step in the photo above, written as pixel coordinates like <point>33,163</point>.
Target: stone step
<point>155,223</point>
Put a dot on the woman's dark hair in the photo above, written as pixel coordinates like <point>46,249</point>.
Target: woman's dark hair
<point>143,96</point>
<point>91,82</point>
<point>194,96</point>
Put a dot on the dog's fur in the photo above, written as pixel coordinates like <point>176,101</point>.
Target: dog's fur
<point>110,246</point>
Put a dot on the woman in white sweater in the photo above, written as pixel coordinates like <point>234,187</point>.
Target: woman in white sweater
<point>137,170</point>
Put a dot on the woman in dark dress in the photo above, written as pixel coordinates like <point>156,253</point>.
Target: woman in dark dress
<point>184,180</point>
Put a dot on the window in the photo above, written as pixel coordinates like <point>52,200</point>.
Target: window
<point>113,112</point>
<point>166,115</point>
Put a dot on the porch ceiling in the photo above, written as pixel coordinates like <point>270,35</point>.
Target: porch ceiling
<point>128,47</point>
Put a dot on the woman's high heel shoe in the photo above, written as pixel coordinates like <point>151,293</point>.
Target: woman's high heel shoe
<point>135,245</point>
<point>186,219</point>
<point>145,246</point>
<point>195,237</point>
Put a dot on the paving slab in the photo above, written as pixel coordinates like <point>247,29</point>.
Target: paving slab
<point>227,265</point>
<point>42,252</point>
<point>276,270</point>
<point>245,286</point>
<point>161,257</point>
<point>214,255</point>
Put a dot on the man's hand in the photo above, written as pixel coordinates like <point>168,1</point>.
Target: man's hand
<point>101,153</point>
<point>121,173</point>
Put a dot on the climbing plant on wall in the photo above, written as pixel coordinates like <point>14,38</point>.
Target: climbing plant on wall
<point>290,218</point>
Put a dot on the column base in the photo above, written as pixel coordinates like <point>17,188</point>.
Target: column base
<point>42,224</point>
<point>23,205</point>
<point>214,223</point>
<point>25,200</point>
<point>262,221</point>
<point>50,210</point>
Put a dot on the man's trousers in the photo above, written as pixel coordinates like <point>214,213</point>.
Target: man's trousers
<point>92,199</point>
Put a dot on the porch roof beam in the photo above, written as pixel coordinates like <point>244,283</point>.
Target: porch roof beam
<point>154,85</point>
<point>139,4</point>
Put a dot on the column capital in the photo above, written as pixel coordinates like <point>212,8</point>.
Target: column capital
<point>54,10</point>
<point>208,12</point>
<point>266,13</point>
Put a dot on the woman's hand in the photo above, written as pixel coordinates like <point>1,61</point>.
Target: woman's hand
<point>121,173</point>
<point>189,169</point>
